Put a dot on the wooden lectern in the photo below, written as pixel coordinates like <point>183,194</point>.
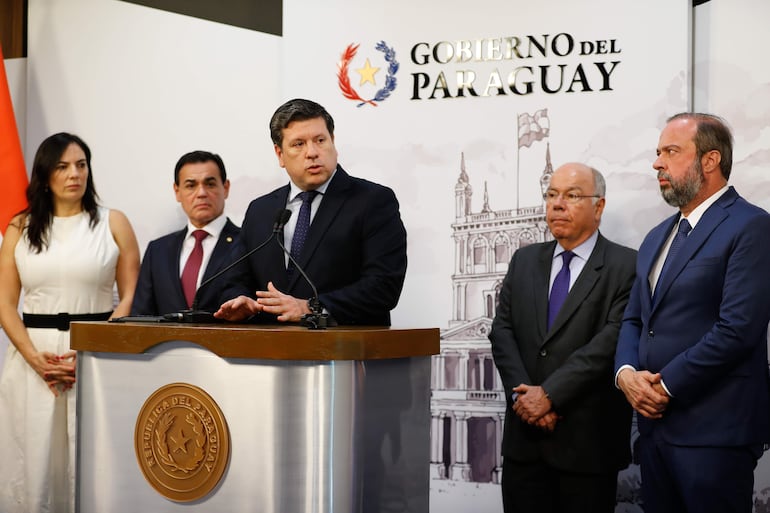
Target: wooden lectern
<point>326,421</point>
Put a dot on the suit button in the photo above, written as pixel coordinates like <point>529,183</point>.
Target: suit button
<point>651,333</point>
<point>543,352</point>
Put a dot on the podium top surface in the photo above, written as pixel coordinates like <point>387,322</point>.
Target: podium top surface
<point>269,342</point>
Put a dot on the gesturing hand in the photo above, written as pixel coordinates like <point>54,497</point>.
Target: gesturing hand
<point>287,308</point>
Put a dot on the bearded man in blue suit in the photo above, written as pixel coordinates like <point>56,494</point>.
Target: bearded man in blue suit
<point>692,351</point>
<point>201,187</point>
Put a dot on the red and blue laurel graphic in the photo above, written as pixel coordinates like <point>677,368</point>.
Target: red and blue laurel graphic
<point>343,79</point>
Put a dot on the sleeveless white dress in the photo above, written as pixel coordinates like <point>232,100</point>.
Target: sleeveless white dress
<point>76,275</point>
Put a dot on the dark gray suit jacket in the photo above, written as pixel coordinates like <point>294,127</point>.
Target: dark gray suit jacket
<point>573,361</point>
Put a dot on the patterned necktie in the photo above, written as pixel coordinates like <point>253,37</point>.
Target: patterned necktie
<point>560,287</point>
<point>681,235</point>
<point>302,227</point>
<point>192,267</point>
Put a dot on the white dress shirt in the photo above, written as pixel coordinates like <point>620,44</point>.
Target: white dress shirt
<point>293,203</point>
<point>582,253</point>
<point>214,229</point>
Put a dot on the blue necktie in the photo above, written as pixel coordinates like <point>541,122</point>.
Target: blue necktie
<point>560,287</point>
<point>679,238</point>
<point>303,226</point>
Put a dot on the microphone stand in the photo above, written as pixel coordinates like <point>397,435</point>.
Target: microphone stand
<point>316,319</point>
<point>194,315</point>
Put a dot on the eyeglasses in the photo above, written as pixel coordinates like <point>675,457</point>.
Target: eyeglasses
<point>569,197</point>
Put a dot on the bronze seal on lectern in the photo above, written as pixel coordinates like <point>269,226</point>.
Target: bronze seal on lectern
<point>182,442</point>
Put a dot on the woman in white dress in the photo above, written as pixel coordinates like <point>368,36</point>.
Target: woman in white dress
<point>66,253</point>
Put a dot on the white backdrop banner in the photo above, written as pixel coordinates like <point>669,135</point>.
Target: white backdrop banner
<point>461,109</point>
<point>464,117</point>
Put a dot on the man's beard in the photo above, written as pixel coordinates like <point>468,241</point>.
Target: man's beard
<point>679,194</point>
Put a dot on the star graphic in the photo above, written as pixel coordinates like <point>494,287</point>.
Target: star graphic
<point>179,441</point>
<point>367,73</point>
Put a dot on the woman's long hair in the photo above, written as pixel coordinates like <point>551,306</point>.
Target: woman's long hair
<point>39,213</point>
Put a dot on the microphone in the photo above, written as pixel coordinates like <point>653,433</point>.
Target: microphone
<point>201,316</point>
<point>316,319</point>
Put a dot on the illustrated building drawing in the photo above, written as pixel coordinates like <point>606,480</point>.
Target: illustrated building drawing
<point>467,397</point>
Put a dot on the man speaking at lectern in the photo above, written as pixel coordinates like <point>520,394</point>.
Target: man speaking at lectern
<point>344,232</point>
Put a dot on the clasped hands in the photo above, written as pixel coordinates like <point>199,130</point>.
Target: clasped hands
<point>644,391</point>
<point>58,371</point>
<point>273,301</point>
<point>534,407</point>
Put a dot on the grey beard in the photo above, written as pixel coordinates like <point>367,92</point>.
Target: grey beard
<point>679,194</point>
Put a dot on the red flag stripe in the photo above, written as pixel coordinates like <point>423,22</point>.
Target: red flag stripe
<point>13,174</point>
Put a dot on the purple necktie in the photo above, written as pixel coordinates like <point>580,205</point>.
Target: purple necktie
<point>303,226</point>
<point>560,287</point>
<point>192,267</point>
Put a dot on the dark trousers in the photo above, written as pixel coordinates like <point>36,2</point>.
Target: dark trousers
<point>678,479</point>
<point>535,487</point>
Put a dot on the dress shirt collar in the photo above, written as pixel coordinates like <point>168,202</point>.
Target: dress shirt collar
<point>214,228</point>
<point>583,250</point>
<point>294,190</point>
<point>698,211</point>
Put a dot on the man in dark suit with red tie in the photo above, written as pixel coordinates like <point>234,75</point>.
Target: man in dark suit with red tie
<point>346,233</point>
<point>174,265</point>
<point>692,351</point>
<point>567,428</point>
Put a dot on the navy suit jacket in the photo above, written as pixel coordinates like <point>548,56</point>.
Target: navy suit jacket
<point>706,330</point>
<point>572,361</point>
<point>355,252</point>
<point>159,289</point>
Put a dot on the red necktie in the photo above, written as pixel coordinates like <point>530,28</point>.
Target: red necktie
<point>193,267</point>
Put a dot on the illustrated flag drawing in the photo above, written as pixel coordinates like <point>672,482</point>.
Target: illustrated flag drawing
<point>533,127</point>
<point>13,174</point>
